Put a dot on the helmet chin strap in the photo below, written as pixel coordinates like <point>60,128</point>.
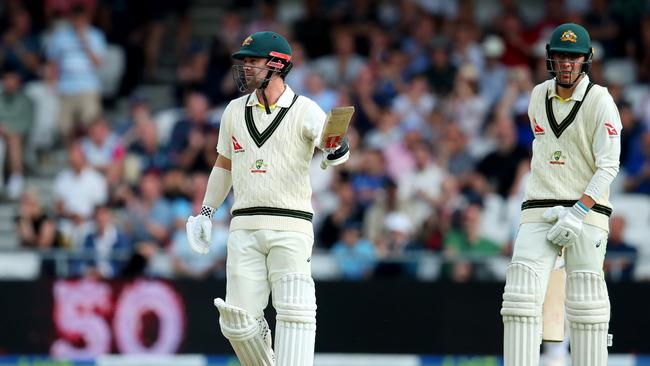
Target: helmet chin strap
<point>568,86</point>
<point>262,87</point>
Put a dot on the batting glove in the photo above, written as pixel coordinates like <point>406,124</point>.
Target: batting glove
<point>568,226</point>
<point>199,230</point>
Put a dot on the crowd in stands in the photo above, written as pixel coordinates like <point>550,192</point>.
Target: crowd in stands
<point>440,141</point>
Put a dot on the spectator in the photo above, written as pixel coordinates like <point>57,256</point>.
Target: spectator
<point>368,182</point>
<point>466,106</point>
<point>76,49</point>
<point>392,248</point>
<point>637,166</point>
<point>415,104</point>
<point>194,138</point>
<point>620,259</point>
<point>35,228</point>
<point>500,167</point>
<point>347,210</point>
<point>354,255</point>
<point>104,151</point>
<point>106,248</point>
<point>465,243</point>
<point>18,46</point>
<point>344,65</point>
<point>145,154</point>
<point>16,119</point>
<point>316,89</point>
<point>493,78</point>
<point>77,191</point>
<point>45,99</point>
<point>441,73</point>
<point>149,214</point>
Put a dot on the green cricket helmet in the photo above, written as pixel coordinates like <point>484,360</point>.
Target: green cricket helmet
<point>270,45</point>
<point>569,38</point>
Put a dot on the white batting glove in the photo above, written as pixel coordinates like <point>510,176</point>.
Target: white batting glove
<point>568,227</point>
<point>199,230</point>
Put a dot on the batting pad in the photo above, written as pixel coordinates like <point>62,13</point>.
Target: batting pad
<point>522,312</point>
<point>249,337</point>
<point>587,306</point>
<point>294,299</point>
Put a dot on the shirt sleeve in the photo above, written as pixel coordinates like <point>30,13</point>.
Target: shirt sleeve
<point>314,121</point>
<point>606,147</point>
<point>224,145</point>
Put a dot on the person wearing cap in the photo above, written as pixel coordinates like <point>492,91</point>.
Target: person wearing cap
<point>266,142</point>
<point>566,206</point>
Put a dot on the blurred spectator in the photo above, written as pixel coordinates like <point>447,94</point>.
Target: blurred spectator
<point>398,157</point>
<point>500,167</point>
<point>603,27</point>
<point>494,75</point>
<point>518,42</point>
<point>466,106</point>
<point>354,255</point>
<point>392,247</point>
<point>346,211</point>
<point>315,88</point>
<point>309,30</point>
<point>192,70</point>
<point>633,131</point>
<point>621,257</point>
<point>637,166</point>
<point>643,50</point>
<point>368,182</point>
<point>106,248</point>
<point>300,69</point>
<point>77,191</point>
<point>45,99</point>
<point>193,141</point>
<point>416,45</point>
<point>35,228</point>
<point>374,217</point>
<point>415,104</point>
<point>465,243</point>
<point>386,133</point>
<point>344,65</point>
<point>16,119</point>
<point>104,151</point>
<point>420,189</point>
<point>149,214</point>
<point>158,12</point>
<point>145,154</point>
<point>441,73</point>
<point>514,104</point>
<point>18,46</point>
<point>76,49</point>
<point>467,50</point>
<point>454,152</point>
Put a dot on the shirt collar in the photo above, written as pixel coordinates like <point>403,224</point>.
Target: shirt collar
<point>578,92</point>
<point>283,102</point>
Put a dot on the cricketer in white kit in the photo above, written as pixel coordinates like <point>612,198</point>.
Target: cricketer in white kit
<point>575,158</point>
<point>266,142</point>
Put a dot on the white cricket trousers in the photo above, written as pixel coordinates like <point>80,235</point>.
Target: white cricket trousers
<point>257,258</point>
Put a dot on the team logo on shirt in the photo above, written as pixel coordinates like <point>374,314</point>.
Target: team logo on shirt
<point>569,36</point>
<point>537,129</point>
<point>611,130</point>
<point>557,158</point>
<point>236,146</point>
<point>259,166</point>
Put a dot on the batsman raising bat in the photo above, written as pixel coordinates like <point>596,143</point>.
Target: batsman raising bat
<point>575,158</point>
<point>266,143</point>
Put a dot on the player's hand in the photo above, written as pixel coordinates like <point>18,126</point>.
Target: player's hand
<point>567,227</point>
<point>199,232</point>
<point>339,156</point>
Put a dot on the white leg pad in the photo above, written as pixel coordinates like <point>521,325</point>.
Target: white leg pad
<point>294,299</point>
<point>522,312</point>
<point>249,337</point>
<point>587,304</point>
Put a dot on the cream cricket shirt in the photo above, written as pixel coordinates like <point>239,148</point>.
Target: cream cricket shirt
<point>574,139</point>
<point>270,157</point>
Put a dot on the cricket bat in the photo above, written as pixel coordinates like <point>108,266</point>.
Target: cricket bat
<point>553,308</point>
<point>336,125</point>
